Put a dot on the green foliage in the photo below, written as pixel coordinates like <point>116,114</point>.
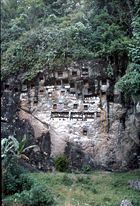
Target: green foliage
<point>61,163</point>
<point>99,187</point>
<point>130,82</point>
<point>83,180</point>
<point>9,184</point>
<point>90,187</point>
<point>15,179</point>
<point>136,202</point>
<point>66,180</point>
<point>87,183</point>
<point>8,146</point>
<point>11,148</point>
<point>86,169</point>
<point>24,182</point>
<point>134,46</point>
<point>38,195</point>
<point>40,33</point>
<point>13,184</point>
<point>107,35</point>
<point>109,71</point>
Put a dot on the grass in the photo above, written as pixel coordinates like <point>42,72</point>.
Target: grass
<point>96,189</point>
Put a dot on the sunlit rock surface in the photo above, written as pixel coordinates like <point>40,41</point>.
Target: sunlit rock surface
<point>68,111</point>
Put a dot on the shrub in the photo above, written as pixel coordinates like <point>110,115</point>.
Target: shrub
<point>15,181</point>
<point>61,163</point>
<point>24,182</point>
<point>38,195</point>
<point>9,184</point>
<point>86,169</point>
<point>67,181</point>
<point>15,168</point>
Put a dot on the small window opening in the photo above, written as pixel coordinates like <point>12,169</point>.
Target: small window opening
<point>72,85</point>
<point>72,92</point>
<point>32,85</point>
<point>104,82</point>
<point>84,131</point>
<point>7,86</point>
<point>85,107</point>
<point>79,94</point>
<point>75,106</point>
<point>35,100</point>
<point>85,70</point>
<point>41,90</point>
<point>58,82</point>
<point>16,90</point>
<point>54,106</point>
<point>110,98</point>
<point>85,82</point>
<point>103,93</point>
<point>41,77</point>
<point>89,90</point>
<point>60,74</point>
<point>49,82</point>
<point>49,94</point>
<point>98,114</point>
<point>62,92</point>
<point>74,73</point>
<point>65,81</point>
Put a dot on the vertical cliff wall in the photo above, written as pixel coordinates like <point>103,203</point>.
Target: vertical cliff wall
<point>73,111</point>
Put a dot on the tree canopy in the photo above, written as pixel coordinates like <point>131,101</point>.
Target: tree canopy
<point>41,33</point>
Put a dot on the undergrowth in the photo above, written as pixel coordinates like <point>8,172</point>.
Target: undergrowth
<point>64,189</point>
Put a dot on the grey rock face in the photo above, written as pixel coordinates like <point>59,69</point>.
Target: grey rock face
<point>126,203</point>
<point>72,118</point>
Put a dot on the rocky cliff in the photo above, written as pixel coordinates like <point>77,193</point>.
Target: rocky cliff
<point>73,111</point>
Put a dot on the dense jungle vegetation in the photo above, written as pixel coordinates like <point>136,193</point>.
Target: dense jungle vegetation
<point>39,34</point>
<point>44,34</point>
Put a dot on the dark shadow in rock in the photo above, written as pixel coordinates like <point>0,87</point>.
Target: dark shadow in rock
<point>77,157</point>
